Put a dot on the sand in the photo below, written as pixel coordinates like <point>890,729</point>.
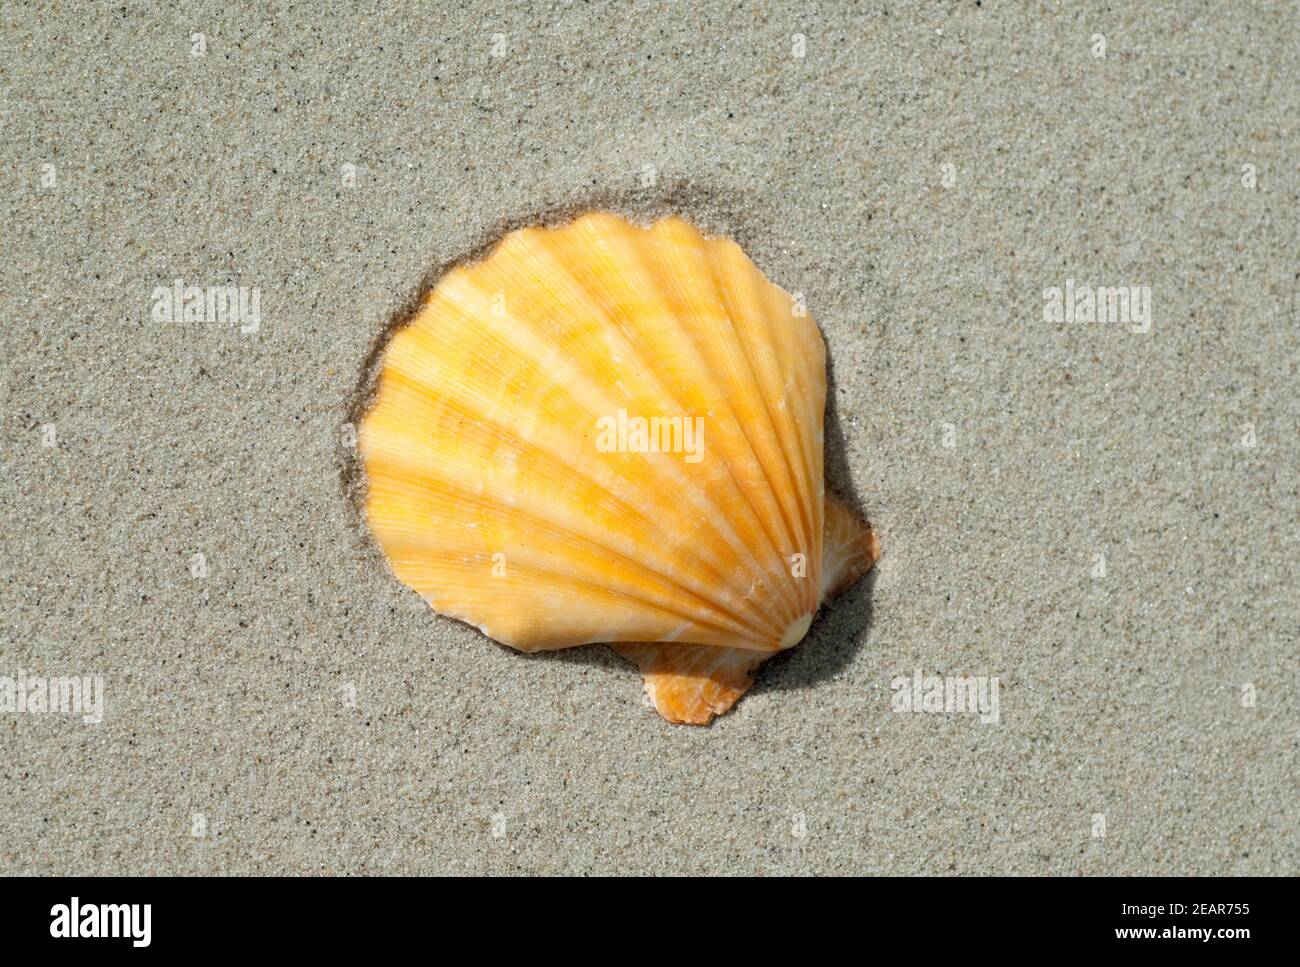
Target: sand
<point>282,704</point>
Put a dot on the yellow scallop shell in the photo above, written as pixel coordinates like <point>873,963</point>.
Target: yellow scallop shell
<point>609,433</point>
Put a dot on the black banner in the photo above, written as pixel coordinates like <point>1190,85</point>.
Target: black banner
<point>136,917</point>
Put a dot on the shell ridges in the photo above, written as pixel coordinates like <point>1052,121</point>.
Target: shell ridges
<point>609,433</point>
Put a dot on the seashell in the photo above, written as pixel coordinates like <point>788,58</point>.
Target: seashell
<point>610,433</point>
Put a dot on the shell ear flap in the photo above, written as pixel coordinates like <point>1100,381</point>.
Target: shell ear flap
<point>690,684</point>
<point>850,549</point>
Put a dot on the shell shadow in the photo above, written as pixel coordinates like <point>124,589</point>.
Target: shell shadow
<point>835,637</point>
<point>839,477</point>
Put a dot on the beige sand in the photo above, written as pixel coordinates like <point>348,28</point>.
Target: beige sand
<point>288,699</point>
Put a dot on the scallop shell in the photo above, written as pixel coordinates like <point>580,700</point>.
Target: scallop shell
<point>609,433</point>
